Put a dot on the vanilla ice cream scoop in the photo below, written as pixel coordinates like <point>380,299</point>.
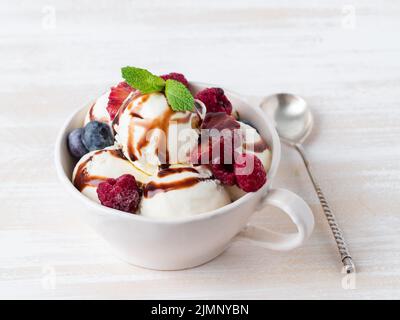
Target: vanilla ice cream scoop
<point>151,133</point>
<point>180,191</point>
<point>97,166</point>
<point>98,110</point>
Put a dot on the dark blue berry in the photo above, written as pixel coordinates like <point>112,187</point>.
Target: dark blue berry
<point>97,135</point>
<point>75,144</point>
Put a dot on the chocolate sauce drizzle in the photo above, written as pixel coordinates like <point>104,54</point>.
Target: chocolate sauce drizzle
<point>125,104</point>
<point>168,171</point>
<point>83,179</point>
<point>159,123</point>
<point>152,188</point>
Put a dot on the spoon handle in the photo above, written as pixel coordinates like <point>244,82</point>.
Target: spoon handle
<point>337,233</point>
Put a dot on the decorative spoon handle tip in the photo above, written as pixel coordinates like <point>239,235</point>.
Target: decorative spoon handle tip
<point>337,233</point>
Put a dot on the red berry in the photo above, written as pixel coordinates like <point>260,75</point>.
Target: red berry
<point>224,173</point>
<point>220,137</point>
<point>218,150</point>
<point>117,96</point>
<point>219,121</point>
<point>122,193</point>
<point>176,76</point>
<point>249,171</point>
<point>201,154</point>
<point>215,100</point>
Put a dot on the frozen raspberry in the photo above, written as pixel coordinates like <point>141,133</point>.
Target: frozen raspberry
<point>215,100</point>
<point>117,96</point>
<point>249,171</point>
<point>225,128</point>
<point>121,194</point>
<point>218,150</point>
<point>224,173</point>
<point>220,137</point>
<point>219,121</point>
<point>176,76</point>
<point>209,151</point>
<point>200,154</point>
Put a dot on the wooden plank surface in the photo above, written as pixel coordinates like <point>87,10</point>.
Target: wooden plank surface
<point>342,56</point>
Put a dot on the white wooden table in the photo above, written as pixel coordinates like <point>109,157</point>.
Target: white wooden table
<point>343,57</point>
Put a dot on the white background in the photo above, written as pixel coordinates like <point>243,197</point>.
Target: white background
<point>342,56</point>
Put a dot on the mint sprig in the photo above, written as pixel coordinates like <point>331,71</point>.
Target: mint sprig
<point>178,96</point>
<point>142,80</point>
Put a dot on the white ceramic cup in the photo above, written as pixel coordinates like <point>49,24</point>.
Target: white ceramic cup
<point>188,242</point>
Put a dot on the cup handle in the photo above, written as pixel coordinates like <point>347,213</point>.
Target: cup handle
<point>298,211</point>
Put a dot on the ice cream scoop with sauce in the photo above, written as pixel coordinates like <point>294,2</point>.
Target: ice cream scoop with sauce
<point>151,133</point>
<point>97,166</point>
<point>182,190</point>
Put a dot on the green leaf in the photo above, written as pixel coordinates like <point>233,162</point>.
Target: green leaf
<point>142,80</point>
<point>178,96</point>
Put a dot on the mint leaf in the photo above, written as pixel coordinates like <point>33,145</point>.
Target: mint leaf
<point>178,96</point>
<point>142,80</point>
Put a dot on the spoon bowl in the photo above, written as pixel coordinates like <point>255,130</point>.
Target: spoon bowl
<point>291,114</point>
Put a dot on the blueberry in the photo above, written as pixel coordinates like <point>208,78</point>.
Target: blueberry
<point>97,135</point>
<point>75,145</point>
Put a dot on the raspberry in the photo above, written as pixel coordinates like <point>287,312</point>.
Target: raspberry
<point>219,121</point>
<point>122,193</point>
<point>215,100</point>
<point>117,96</point>
<point>201,154</point>
<point>219,143</point>
<point>224,173</point>
<point>249,171</point>
<point>216,151</point>
<point>176,76</point>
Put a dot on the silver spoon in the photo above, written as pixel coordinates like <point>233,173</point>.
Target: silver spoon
<point>294,122</point>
